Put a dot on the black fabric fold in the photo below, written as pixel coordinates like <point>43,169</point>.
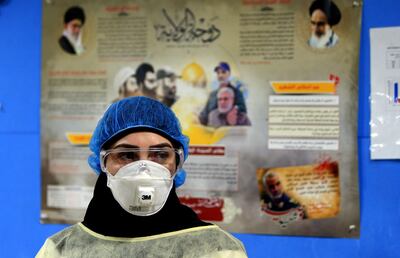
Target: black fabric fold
<point>105,216</point>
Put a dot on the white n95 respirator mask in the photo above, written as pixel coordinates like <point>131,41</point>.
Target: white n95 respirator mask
<point>141,187</point>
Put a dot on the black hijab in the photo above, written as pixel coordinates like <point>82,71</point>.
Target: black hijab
<point>106,217</point>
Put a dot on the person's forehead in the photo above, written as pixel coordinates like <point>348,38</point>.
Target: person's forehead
<point>272,180</point>
<point>225,93</point>
<point>318,14</point>
<point>221,70</point>
<point>142,139</point>
<point>75,22</point>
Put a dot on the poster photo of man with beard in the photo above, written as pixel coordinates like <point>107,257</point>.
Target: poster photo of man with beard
<point>324,15</point>
<point>71,38</point>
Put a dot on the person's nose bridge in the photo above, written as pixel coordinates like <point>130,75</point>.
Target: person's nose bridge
<point>144,155</point>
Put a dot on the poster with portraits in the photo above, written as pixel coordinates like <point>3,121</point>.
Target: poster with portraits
<point>266,90</point>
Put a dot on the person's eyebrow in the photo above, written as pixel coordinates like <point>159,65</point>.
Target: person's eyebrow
<point>126,145</point>
<point>161,145</point>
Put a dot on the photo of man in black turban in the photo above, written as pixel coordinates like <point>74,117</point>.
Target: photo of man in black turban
<point>71,38</point>
<point>324,14</point>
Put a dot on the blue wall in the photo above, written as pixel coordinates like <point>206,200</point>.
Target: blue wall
<point>21,234</point>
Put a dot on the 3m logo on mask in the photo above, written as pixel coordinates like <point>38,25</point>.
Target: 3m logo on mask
<point>146,195</point>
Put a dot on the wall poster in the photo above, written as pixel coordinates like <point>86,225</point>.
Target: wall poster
<point>266,90</point>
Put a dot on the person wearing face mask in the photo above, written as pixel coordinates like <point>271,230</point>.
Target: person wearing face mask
<point>226,113</point>
<point>71,38</point>
<point>125,83</point>
<point>324,14</point>
<point>147,81</point>
<point>138,150</point>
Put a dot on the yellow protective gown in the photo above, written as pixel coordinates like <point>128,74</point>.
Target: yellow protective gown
<point>204,241</point>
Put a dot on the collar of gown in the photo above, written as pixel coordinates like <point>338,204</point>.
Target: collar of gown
<point>105,216</point>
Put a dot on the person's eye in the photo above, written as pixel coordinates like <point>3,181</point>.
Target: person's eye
<point>161,156</point>
<point>127,157</point>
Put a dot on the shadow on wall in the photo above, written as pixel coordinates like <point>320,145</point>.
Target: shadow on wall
<point>4,2</point>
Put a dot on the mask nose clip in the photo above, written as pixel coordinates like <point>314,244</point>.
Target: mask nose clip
<point>143,168</point>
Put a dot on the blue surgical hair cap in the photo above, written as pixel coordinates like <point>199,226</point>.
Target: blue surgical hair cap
<point>135,114</point>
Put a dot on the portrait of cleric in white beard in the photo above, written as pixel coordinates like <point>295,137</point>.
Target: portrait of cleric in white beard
<point>137,151</point>
<point>324,15</point>
<point>71,38</point>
